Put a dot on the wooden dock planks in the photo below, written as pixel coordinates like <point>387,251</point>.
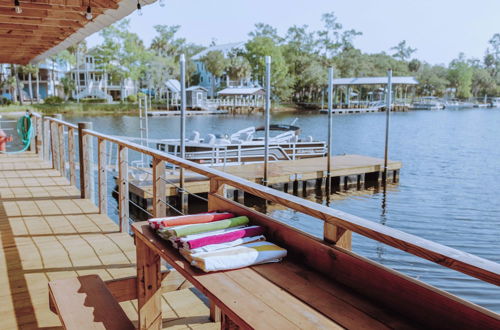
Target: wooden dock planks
<point>279,172</point>
<point>47,232</point>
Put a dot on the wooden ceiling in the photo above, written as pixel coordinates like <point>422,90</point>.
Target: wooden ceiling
<point>42,25</point>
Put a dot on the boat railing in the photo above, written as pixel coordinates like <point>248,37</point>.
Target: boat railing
<point>337,225</point>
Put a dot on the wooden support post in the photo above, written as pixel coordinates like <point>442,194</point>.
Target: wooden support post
<point>240,196</point>
<point>71,155</point>
<point>85,159</point>
<point>102,176</point>
<point>395,176</point>
<point>54,146</point>
<point>360,181</point>
<point>39,136</point>
<point>148,287</point>
<point>46,139</point>
<point>62,159</point>
<point>123,188</point>
<point>304,188</point>
<point>159,192</point>
<point>337,235</point>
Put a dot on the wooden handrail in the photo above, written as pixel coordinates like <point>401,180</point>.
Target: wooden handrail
<point>62,122</point>
<point>466,263</point>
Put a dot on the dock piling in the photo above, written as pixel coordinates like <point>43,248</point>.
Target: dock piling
<point>267,117</point>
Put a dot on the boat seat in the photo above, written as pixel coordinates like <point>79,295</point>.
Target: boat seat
<point>85,302</point>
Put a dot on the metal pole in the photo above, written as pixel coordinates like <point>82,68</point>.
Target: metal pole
<point>267,116</point>
<point>388,112</point>
<point>183,196</point>
<point>330,122</point>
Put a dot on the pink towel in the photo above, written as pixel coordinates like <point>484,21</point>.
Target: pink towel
<point>157,223</point>
<point>223,238</point>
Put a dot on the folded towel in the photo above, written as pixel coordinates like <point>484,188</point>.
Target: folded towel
<point>211,238</point>
<point>157,223</point>
<point>236,257</point>
<point>214,247</point>
<point>182,231</point>
<point>177,243</point>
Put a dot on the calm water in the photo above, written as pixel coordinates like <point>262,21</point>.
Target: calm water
<point>448,190</point>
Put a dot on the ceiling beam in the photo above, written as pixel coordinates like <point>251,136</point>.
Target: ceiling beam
<point>43,13</point>
<point>39,21</point>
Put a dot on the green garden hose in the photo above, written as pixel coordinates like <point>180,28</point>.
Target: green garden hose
<point>25,132</point>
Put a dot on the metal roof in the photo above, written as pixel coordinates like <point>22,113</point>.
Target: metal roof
<point>225,49</point>
<point>193,88</point>
<point>375,81</point>
<point>241,91</point>
<point>173,85</point>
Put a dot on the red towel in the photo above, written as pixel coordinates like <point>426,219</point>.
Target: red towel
<point>157,223</point>
<point>225,237</point>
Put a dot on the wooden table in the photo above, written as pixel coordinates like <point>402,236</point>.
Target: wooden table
<point>281,295</point>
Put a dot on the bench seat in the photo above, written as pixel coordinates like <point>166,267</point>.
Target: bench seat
<point>85,302</point>
<point>283,295</point>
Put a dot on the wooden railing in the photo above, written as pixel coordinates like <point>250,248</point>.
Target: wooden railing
<point>337,225</point>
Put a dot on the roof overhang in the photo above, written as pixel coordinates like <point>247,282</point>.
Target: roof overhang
<point>47,27</point>
<point>375,81</point>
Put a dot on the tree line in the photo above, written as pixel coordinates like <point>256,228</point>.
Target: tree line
<point>300,59</point>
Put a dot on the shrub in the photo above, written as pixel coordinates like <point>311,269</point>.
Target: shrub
<point>131,98</point>
<point>5,101</point>
<point>53,100</point>
<point>91,100</point>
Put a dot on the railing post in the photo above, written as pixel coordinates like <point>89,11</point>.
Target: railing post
<point>102,176</point>
<point>71,156</point>
<point>62,160</point>
<point>46,139</point>
<point>159,207</point>
<point>38,137</point>
<point>123,188</point>
<point>54,144</point>
<point>85,153</point>
<point>337,235</point>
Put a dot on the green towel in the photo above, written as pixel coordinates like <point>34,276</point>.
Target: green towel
<point>182,231</point>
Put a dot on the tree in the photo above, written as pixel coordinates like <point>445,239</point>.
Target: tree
<point>266,30</point>
<point>403,51</point>
<point>68,86</point>
<point>414,65</point>
<point>238,68</point>
<point>460,77</point>
<point>259,47</point>
<point>216,63</point>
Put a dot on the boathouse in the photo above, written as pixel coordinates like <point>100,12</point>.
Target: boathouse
<point>196,97</point>
<point>67,257</point>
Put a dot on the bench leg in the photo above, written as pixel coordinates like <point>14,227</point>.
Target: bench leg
<point>215,313</point>
<point>148,287</point>
<point>227,323</point>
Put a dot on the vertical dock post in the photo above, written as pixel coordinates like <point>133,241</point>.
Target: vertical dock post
<point>267,117</point>
<point>388,112</point>
<point>123,197</point>
<point>102,176</point>
<point>46,139</point>
<point>85,160</point>
<point>54,143</point>
<point>182,194</point>
<point>62,157</point>
<point>330,132</point>
<point>71,156</point>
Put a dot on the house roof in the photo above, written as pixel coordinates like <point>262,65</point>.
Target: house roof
<point>225,49</point>
<point>242,91</point>
<point>47,27</point>
<point>173,85</point>
<point>375,81</point>
<point>193,88</point>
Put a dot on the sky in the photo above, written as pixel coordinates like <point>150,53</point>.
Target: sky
<point>439,29</point>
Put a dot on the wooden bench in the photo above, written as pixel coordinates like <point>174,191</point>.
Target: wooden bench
<point>318,285</point>
<point>85,302</point>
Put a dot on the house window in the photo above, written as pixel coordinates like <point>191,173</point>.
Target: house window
<point>201,79</point>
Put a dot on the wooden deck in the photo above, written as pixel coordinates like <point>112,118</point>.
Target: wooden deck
<point>279,172</point>
<point>47,232</point>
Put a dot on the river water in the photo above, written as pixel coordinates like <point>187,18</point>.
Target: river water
<point>448,190</point>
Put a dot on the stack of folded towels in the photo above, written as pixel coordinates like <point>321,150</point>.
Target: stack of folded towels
<point>217,241</point>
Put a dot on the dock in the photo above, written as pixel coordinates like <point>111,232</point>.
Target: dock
<point>48,232</point>
<point>160,113</point>
<point>54,238</point>
<point>352,110</point>
<point>293,176</point>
